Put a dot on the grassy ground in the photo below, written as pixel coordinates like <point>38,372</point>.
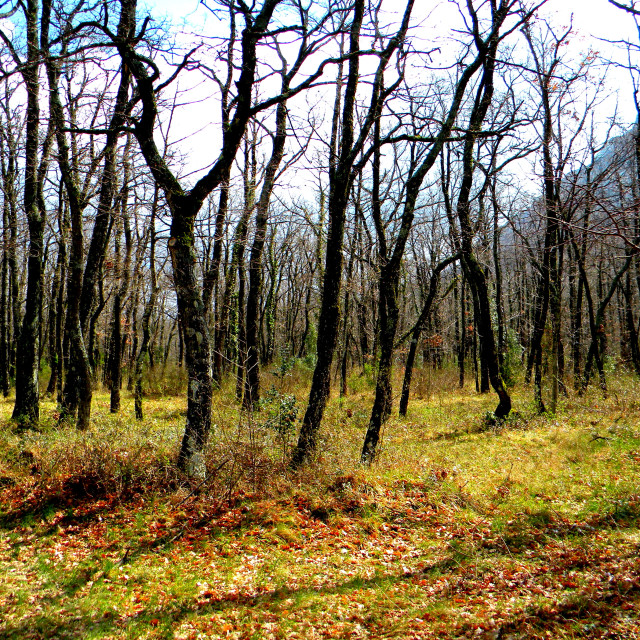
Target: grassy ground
<point>459,530</point>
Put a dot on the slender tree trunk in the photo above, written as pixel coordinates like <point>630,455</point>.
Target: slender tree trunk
<point>14,288</point>
<point>242,333</point>
<point>237,258</point>
<point>79,361</point>
<point>464,322</point>
<point>417,331</point>
<point>116,351</point>
<point>210,284</point>
<point>340,180</point>
<point>93,344</point>
<point>4,304</point>
<point>102,226</point>
<point>630,323</point>
<point>347,309</point>
<point>473,270</point>
<point>497,267</point>
<point>27,403</point>
<point>115,354</point>
<point>302,351</point>
<point>148,310</point>
<point>390,270</point>
<point>55,308</point>
<point>598,332</point>
<point>252,381</point>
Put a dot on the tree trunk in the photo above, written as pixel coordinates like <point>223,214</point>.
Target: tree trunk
<point>115,354</point>
<point>340,180</point>
<point>417,331</point>
<point>598,334</point>
<point>630,323</point>
<point>237,258</point>
<point>148,310</point>
<point>464,322</point>
<point>474,272</point>
<point>347,309</point>
<point>210,284</point>
<point>252,383</point>
<point>497,267</point>
<point>242,334</point>
<point>26,410</point>
<point>116,351</point>
<point>56,308</point>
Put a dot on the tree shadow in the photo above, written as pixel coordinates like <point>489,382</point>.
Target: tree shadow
<point>581,607</point>
<point>532,530</point>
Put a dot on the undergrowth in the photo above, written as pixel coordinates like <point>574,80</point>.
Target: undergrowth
<point>463,527</point>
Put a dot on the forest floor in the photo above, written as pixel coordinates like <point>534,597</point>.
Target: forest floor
<point>459,530</point>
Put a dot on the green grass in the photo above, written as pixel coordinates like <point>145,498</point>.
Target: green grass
<point>527,530</point>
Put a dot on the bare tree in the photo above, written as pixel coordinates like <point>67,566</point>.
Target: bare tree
<point>185,203</point>
<point>27,404</point>
<point>341,177</point>
<point>484,60</point>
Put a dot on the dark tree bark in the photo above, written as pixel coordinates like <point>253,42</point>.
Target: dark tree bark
<point>576,321</point>
<point>346,314</point>
<point>212,273</point>
<point>9,164</point>
<point>9,309</point>
<point>92,268</point>
<point>630,324</point>
<point>148,311</point>
<point>93,344</point>
<point>454,233</point>
<point>270,311</point>
<point>79,362</point>
<point>241,356</point>
<point>497,268</point>
<point>302,351</point>
<point>184,206</point>
<point>341,177</point>
<point>598,323</point>
<point>391,261</point>
<point>556,150</point>
<point>26,409</point>
<point>474,272</point>
<point>123,274</point>
<point>4,305</point>
<point>462,345</point>
<point>237,258</point>
<point>56,307</point>
<point>210,283</point>
<point>252,384</point>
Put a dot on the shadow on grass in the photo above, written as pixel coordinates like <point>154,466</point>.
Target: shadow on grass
<point>48,626</point>
<point>531,530</point>
<point>580,607</point>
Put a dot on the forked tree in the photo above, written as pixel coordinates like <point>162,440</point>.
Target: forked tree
<point>184,203</point>
<point>341,178</point>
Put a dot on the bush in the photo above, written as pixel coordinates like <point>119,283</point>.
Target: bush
<point>281,412</point>
<point>512,361</point>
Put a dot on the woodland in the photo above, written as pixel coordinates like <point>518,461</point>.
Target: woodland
<point>318,320</point>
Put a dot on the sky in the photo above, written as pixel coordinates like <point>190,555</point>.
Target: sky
<point>196,134</point>
<point>590,17</point>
